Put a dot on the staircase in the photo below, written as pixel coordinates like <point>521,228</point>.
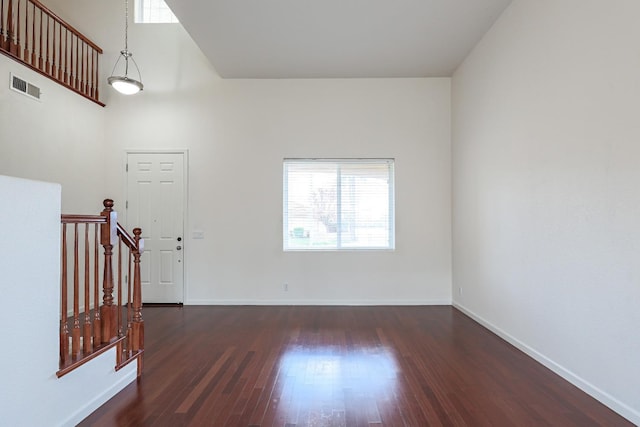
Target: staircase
<point>101,306</point>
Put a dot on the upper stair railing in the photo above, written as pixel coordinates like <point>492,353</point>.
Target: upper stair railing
<point>96,315</point>
<point>35,36</point>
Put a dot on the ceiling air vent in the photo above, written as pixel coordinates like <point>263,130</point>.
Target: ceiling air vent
<point>24,87</point>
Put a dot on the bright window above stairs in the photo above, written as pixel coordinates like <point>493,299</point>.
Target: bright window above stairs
<point>154,12</point>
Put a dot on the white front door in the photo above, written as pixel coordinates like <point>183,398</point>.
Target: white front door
<point>155,203</point>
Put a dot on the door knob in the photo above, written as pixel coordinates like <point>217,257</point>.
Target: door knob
<point>179,248</point>
<point>179,239</point>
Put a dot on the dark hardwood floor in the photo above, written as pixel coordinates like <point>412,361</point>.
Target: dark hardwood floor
<point>339,366</point>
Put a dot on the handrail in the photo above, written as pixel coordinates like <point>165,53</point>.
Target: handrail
<point>69,26</point>
<point>126,238</point>
<point>35,36</point>
<point>82,219</point>
<point>103,315</point>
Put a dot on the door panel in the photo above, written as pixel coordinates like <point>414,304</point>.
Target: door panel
<point>155,194</point>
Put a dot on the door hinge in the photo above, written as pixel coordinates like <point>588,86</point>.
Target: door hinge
<point>126,204</point>
<point>126,168</point>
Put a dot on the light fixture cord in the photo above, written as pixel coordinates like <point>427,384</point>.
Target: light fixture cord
<point>126,25</point>
<point>126,37</point>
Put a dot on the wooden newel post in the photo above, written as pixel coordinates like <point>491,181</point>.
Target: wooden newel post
<point>138,323</point>
<point>108,235</point>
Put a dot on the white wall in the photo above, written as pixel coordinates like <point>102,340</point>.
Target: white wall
<point>241,130</point>
<point>31,234</point>
<point>238,132</point>
<point>546,189</point>
<point>59,139</point>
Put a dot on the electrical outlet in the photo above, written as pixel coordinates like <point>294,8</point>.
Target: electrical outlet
<point>285,287</point>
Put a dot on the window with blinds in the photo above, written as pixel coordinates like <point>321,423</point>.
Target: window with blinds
<point>154,12</point>
<point>338,204</point>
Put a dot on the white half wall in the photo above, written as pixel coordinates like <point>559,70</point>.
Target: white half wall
<point>546,189</point>
<point>31,394</point>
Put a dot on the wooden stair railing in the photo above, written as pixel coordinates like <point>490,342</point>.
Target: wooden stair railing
<point>103,321</point>
<point>33,35</point>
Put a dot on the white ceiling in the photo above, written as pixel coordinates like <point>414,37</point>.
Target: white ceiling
<point>336,38</point>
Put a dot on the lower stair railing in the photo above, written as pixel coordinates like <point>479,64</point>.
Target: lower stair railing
<point>99,313</point>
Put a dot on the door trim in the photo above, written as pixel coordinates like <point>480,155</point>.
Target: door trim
<point>185,196</point>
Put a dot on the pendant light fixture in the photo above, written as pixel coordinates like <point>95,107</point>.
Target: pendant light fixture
<point>125,84</point>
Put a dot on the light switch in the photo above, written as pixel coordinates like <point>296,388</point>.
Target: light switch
<point>197,234</point>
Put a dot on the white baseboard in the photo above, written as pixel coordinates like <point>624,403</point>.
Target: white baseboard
<point>621,408</point>
<point>317,302</point>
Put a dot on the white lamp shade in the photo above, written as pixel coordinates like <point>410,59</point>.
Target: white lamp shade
<point>125,85</point>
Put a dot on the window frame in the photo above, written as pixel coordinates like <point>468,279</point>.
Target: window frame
<point>390,162</point>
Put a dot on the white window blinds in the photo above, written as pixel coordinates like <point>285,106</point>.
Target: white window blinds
<point>338,204</point>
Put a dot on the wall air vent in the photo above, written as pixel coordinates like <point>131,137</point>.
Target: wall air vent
<point>24,87</point>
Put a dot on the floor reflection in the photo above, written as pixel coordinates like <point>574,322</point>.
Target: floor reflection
<point>322,386</point>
